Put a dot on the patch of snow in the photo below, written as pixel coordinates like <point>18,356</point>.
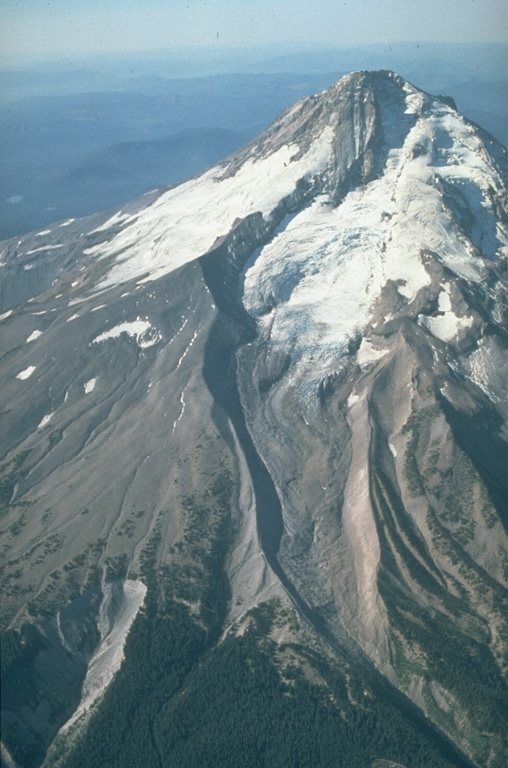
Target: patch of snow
<point>182,409</point>
<point>118,218</point>
<point>44,232</point>
<point>352,399</point>
<point>189,345</point>
<point>487,367</point>
<point>141,330</point>
<point>444,303</point>
<point>393,450</point>
<point>44,248</point>
<point>34,335</point>
<point>119,608</point>
<point>185,321</point>
<point>66,223</point>
<point>72,317</point>
<point>6,314</point>
<point>414,99</point>
<point>90,386</point>
<point>445,391</point>
<point>368,354</point>
<point>478,369</point>
<point>14,199</point>
<point>446,326</point>
<point>45,420</point>
<point>26,373</point>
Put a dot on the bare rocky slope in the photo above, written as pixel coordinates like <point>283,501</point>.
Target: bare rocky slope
<point>279,387</point>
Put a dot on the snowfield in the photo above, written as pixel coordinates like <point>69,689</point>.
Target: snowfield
<point>185,222</point>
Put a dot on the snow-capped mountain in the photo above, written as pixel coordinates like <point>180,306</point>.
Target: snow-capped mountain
<point>280,386</point>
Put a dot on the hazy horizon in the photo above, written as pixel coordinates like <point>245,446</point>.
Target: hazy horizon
<point>74,28</point>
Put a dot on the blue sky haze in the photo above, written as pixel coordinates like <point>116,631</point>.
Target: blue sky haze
<point>63,27</point>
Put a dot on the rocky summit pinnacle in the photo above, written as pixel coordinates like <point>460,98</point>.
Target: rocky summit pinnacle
<point>259,419</point>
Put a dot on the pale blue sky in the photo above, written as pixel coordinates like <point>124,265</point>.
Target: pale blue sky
<point>76,26</point>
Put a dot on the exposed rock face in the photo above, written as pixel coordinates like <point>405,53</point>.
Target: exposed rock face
<point>317,324</point>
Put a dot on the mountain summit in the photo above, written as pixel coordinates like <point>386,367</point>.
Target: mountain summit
<point>254,455</point>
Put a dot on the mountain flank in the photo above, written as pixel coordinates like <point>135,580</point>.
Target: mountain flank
<point>253,455</point>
